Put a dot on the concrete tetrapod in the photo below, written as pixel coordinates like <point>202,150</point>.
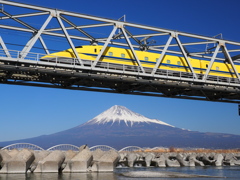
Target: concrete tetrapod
<point>107,162</point>
<point>132,158</point>
<point>66,164</point>
<point>12,152</point>
<point>140,161</point>
<point>237,162</point>
<point>160,160</point>
<point>171,160</point>
<point>81,161</point>
<point>5,157</point>
<point>19,163</point>
<point>219,159</point>
<point>149,158</point>
<point>237,159</point>
<point>206,158</point>
<point>0,160</point>
<point>182,159</point>
<point>193,160</point>
<point>39,155</point>
<point>231,159</point>
<point>84,160</point>
<point>123,159</point>
<point>97,154</point>
<point>52,162</point>
<point>172,163</point>
<point>122,156</point>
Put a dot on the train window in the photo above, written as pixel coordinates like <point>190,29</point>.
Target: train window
<point>217,68</point>
<point>123,55</point>
<point>168,61</point>
<point>179,63</point>
<point>146,58</point>
<point>110,53</point>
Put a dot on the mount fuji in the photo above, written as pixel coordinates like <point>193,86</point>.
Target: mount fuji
<point>120,114</point>
<point>119,127</point>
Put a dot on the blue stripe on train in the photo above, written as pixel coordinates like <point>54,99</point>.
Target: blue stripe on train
<point>163,64</point>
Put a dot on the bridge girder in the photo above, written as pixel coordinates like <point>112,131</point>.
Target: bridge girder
<point>76,79</point>
<point>24,68</point>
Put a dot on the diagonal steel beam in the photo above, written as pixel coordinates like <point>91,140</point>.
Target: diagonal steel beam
<point>228,57</point>
<point>24,15</point>
<point>132,36</point>
<point>132,49</point>
<point>19,21</point>
<point>160,59</point>
<point>104,46</point>
<point>44,45</point>
<point>142,35</point>
<point>187,44</point>
<point>185,55</point>
<point>82,26</point>
<point>69,39</point>
<point>27,25</point>
<point>211,62</point>
<point>75,26</point>
<point>32,41</point>
<point>4,47</point>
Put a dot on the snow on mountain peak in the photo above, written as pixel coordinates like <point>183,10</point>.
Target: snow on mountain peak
<point>120,113</point>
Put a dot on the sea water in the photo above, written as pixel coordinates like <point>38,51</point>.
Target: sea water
<point>224,172</point>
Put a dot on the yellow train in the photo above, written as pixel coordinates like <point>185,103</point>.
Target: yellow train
<point>147,59</point>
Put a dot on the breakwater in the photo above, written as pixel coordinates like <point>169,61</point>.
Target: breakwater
<point>173,159</point>
<point>84,160</point>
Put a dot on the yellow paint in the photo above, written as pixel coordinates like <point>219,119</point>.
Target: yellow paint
<point>147,59</point>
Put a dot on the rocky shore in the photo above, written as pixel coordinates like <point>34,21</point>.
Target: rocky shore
<point>85,160</point>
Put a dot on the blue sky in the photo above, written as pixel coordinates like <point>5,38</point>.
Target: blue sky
<point>29,111</point>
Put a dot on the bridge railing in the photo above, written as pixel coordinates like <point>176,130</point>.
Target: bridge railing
<point>119,68</point>
<point>17,55</point>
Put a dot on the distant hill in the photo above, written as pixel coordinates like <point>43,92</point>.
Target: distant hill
<point>119,127</point>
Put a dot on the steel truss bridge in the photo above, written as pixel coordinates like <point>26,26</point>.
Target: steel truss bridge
<point>28,32</point>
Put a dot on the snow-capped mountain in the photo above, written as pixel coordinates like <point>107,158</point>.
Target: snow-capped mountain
<point>119,127</point>
<point>118,114</point>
